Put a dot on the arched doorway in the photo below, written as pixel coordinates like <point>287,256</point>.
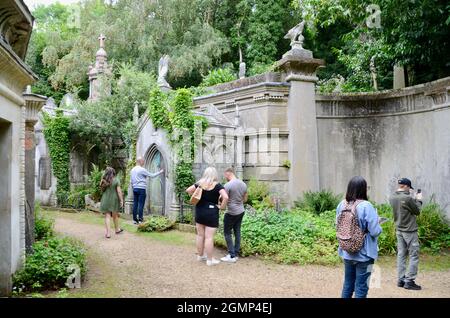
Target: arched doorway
<point>156,187</point>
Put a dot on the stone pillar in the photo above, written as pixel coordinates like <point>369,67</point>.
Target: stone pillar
<point>239,153</point>
<point>399,77</point>
<point>300,71</point>
<point>34,104</point>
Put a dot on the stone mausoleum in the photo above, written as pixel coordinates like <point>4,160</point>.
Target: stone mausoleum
<point>18,114</point>
<point>274,127</point>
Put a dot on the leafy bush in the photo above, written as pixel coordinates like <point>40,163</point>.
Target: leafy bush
<point>75,199</point>
<point>218,76</point>
<point>318,202</point>
<point>43,226</point>
<point>259,195</point>
<point>156,223</point>
<point>434,231</point>
<point>94,183</point>
<point>288,236</point>
<point>47,267</point>
<point>305,237</point>
<point>188,218</point>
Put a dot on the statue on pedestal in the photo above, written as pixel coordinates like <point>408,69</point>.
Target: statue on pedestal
<point>163,69</point>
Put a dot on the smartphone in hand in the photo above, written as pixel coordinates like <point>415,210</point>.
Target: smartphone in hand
<point>382,220</point>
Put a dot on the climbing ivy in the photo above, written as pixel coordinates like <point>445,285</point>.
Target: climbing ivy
<point>174,113</point>
<point>57,136</point>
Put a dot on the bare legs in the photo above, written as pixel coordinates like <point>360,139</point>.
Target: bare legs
<point>108,224</point>
<point>205,240</point>
<point>115,217</point>
<point>200,240</point>
<point>209,241</point>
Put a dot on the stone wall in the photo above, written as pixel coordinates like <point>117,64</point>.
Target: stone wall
<point>256,106</point>
<point>386,135</point>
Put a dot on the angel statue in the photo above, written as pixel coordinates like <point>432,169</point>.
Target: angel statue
<point>163,69</point>
<point>295,35</point>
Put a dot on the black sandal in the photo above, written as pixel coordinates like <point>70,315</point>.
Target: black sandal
<point>107,236</point>
<point>119,231</point>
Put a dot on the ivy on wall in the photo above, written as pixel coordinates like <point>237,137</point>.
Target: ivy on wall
<point>174,113</point>
<point>57,135</point>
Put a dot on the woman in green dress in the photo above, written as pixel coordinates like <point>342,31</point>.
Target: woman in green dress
<point>112,200</point>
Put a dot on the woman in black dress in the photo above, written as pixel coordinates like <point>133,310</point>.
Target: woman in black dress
<point>207,213</point>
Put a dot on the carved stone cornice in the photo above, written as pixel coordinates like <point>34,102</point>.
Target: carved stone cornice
<point>16,23</point>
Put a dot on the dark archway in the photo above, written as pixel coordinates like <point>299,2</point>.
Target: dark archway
<point>156,187</point>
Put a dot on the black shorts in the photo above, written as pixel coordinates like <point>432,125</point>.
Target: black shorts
<point>207,216</point>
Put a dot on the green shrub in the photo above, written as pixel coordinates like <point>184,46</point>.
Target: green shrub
<point>75,199</point>
<point>43,226</point>
<point>47,267</point>
<point>188,218</point>
<point>156,223</point>
<point>318,202</point>
<point>305,237</point>
<point>259,195</point>
<point>286,237</point>
<point>94,183</point>
<point>218,76</point>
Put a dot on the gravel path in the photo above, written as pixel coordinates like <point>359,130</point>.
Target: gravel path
<point>131,265</point>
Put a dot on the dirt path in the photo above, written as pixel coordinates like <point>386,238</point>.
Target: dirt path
<point>130,265</point>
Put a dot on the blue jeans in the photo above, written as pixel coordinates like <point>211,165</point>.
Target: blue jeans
<point>356,279</point>
<point>139,196</point>
<point>233,222</point>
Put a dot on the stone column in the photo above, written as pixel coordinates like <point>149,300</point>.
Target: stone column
<point>399,77</point>
<point>300,68</point>
<point>34,104</point>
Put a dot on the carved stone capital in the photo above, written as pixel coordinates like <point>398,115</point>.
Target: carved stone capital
<point>299,67</point>
<point>33,104</point>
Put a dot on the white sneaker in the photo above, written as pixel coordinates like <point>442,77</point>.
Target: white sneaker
<point>212,262</point>
<point>229,259</point>
<point>201,258</point>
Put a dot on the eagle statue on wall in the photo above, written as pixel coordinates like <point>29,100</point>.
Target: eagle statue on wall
<point>295,34</point>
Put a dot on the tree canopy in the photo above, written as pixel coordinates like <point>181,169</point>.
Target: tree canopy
<point>203,35</point>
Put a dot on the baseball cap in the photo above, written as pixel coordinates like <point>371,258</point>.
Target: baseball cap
<point>405,181</point>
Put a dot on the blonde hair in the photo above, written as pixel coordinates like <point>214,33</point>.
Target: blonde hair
<point>209,179</point>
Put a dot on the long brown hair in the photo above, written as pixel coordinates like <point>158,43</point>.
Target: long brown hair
<point>108,177</point>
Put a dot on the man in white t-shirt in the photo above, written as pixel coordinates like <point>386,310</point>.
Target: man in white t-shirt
<point>138,179</point>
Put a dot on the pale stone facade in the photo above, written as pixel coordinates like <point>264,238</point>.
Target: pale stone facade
<point>15,32</point>
<point>325,139</point>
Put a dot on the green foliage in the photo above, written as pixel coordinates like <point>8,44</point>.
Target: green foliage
<point>259,194</point>
<point>318,202</point>
<point>43,226</point>
<point>268,22</point>
<point>75,199</point>
<point>433,229</point>
<point>296,237</point>
<point>108,121</point>
<point>57,136</point>
<point>158,111</point>
<point>156,223</point>
<point>47,267</point>
<point>218,76</point>
<point>188,218</point>
<point>94,183</point>
<point>305,237</point>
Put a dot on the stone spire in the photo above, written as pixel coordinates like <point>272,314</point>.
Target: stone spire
<point>98,84</point>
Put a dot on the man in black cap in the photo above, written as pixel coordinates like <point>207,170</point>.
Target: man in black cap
<point>406,208</point>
